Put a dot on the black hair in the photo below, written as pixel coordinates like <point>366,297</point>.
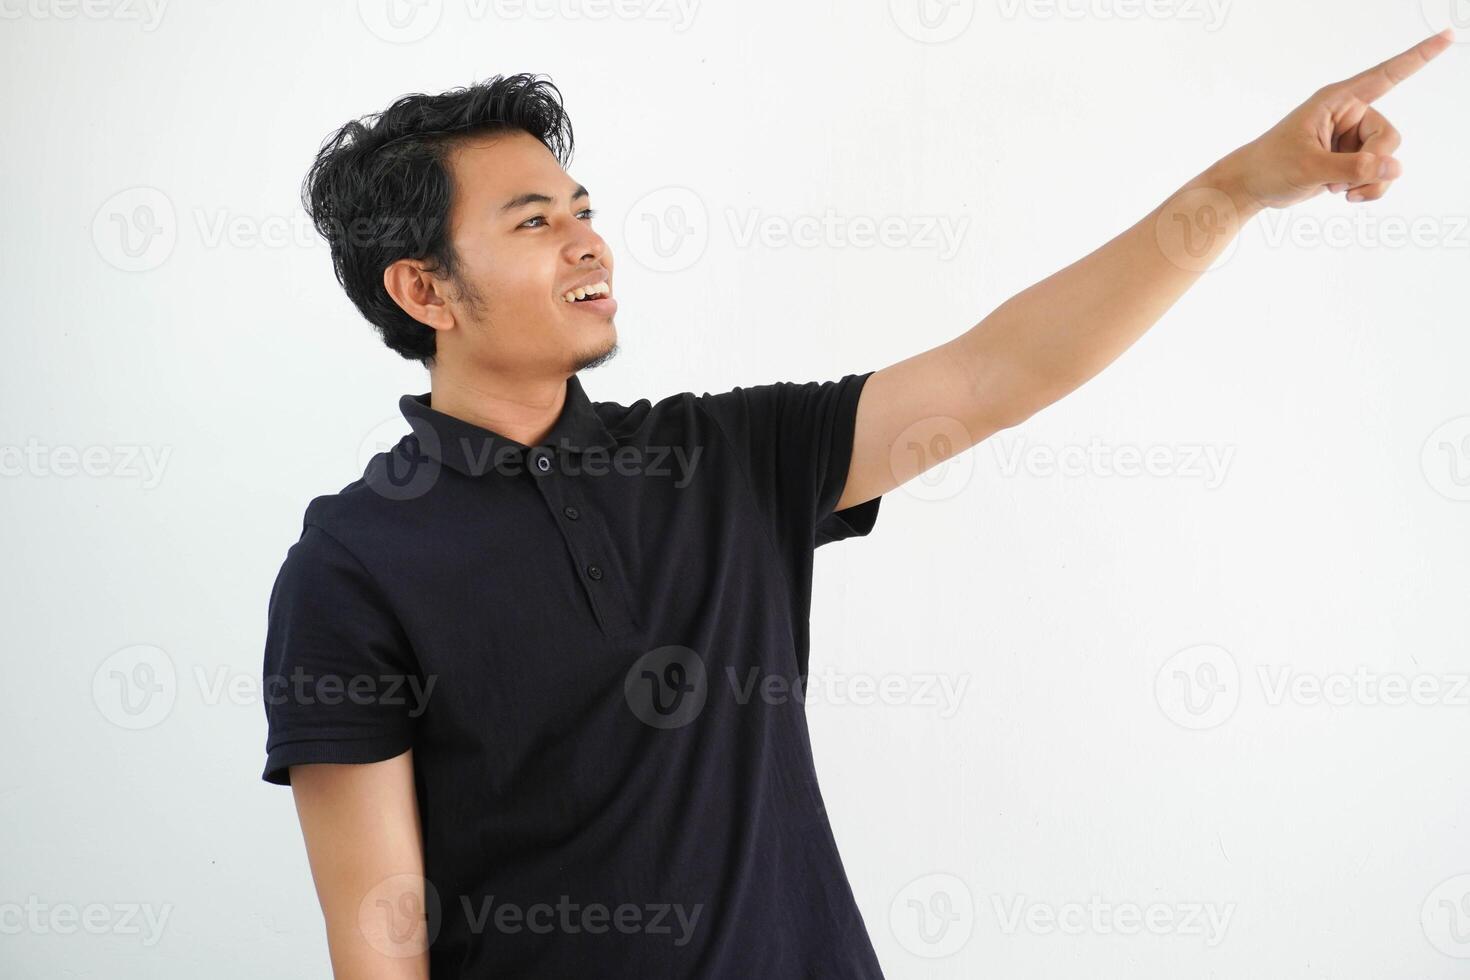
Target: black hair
<point>380,190</point>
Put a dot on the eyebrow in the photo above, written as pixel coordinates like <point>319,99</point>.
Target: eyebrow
<point>521,200</point>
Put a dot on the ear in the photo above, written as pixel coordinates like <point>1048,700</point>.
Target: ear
<point>415,289</point>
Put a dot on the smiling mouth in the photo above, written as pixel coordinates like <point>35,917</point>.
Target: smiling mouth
<point>586,294</point>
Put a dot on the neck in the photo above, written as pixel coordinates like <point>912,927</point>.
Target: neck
<point>519,407</point>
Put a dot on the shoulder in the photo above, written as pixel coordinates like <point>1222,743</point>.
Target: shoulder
<point>391,500</point>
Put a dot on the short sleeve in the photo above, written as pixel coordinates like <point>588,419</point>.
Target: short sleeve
<point>795,440</point>
<point>339,678</point>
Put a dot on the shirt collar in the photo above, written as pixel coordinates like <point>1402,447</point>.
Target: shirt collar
<point>472,449</point>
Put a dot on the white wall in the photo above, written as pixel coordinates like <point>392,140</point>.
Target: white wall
<point>1325,378</point>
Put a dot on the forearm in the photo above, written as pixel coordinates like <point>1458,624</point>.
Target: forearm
<point>1052,337</point>
<point>1049,339</point>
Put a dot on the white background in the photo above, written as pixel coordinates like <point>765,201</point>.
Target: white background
<point>1322,361</point>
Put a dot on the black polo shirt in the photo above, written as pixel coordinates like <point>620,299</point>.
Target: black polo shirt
<point>591,645</point>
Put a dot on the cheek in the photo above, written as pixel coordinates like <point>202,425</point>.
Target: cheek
<point>514,281</point>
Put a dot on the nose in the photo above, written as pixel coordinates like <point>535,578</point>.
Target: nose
<point>585,246</point>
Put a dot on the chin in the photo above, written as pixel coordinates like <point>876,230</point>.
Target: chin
<point>596,354</point>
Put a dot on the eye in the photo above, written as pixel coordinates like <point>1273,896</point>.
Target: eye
<point>589,213</point>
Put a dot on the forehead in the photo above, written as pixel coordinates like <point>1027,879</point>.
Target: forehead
<point>489,170</point>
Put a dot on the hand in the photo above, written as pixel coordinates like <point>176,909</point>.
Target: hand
<point>1335,140</point>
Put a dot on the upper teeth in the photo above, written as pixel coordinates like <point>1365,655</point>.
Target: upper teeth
<point>596,289</point>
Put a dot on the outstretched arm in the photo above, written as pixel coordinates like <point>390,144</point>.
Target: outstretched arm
<point>1049,339</point>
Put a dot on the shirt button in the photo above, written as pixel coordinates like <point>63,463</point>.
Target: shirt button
<point>543,464</point>
<point>594,573</point>
<point>571,512</point>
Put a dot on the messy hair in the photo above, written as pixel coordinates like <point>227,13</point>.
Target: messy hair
<point>380,189</point>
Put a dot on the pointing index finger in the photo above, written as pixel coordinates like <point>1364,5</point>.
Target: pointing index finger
<point>1381,78</point>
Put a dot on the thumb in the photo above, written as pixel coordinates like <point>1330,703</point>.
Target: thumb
<point>1353,168</point>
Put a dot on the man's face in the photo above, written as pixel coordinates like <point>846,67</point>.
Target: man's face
<point>522,230</point>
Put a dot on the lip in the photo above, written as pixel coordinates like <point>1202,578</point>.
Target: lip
<point>602,306</point>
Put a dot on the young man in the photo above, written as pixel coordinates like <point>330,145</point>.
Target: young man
<point>516,673</point>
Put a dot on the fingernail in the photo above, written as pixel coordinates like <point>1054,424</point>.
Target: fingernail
<point>1385,168</point>
<point>1354,196</point>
